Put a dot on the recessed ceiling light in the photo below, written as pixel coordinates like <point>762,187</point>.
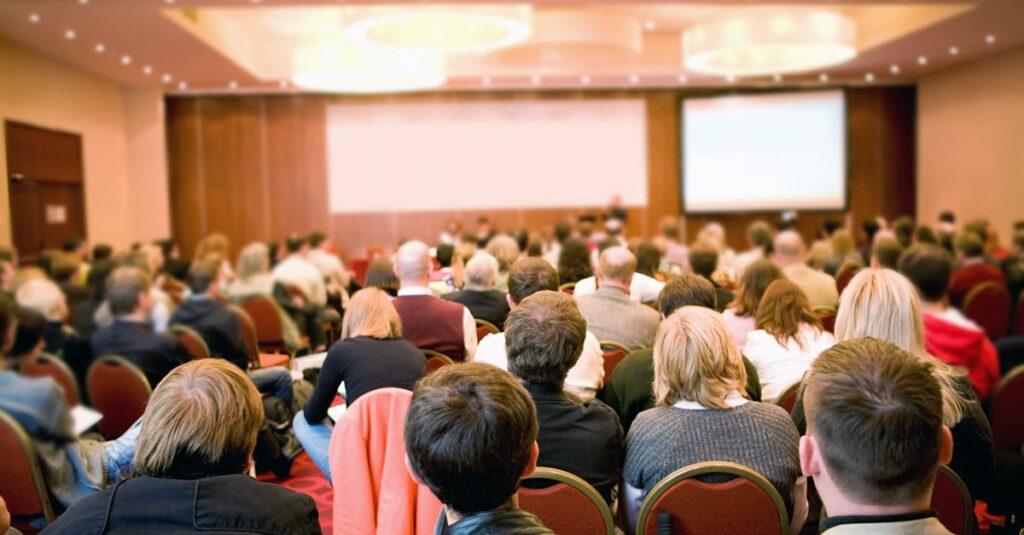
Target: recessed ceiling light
<point>585,79</point>
<point>633,79</point>
<point>777,78</point>
<point>166,78</point>
<point>869,77</point>
<point>126,60</point>
<point>33,17</point>
<point>147,70</point>
<point>233,84</point>
<point>990,39</point>
<point>649,25</point>
<point>486,80</point>
<point>535,79</point>
<point>894,68</point>
<point>823,77</point>
<point>682,78</point>
<point>69,34</point>
<point>183,86</point>
<point>922,60</point>
<point>100,48</point>
<point>953,51</point>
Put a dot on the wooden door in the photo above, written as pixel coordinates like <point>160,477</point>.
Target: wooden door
<point>45,183</point>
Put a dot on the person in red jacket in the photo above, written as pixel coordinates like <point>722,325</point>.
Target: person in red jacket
<point>974,270</point>
<point>948,334</point>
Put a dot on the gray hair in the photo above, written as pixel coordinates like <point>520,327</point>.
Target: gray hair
<point>412,261</point>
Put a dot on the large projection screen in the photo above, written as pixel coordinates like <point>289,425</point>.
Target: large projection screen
<point>767,152</point>
<point>485,155</point>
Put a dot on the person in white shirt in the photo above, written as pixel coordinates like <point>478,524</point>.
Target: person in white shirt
<point>527,277</point>
<point>820,288</point>
<point>642,288</point>
<point>329,264</point>
<point>297,271</point>
<point>787,340</point>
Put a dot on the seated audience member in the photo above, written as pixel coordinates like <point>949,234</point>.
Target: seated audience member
<point>430,322</point>
<point>562,232</point>
<point>1013,267</point>
<point>45,297</point>
<point>843,252</point>
<point>73,467</point>
<point>479,294</point>
<point>904,228</point>
<point>740,315</point>
<point>713,235</point>
<point>371,354</point>
<point>642,288</point>
<point>470,436</point>
<point>173,265</point>
<point>219,328</point>
<point>527,277</point>
<point>882,304</point>
<point>574,262</point>
<point>787,340</point>
<point>869,227</point>
<point>298,272</point>
<point>215,244</point>
<point>648,258</point>
<point>381,274</point>
<point>160,303</point>
<point>759,238</point>
<point>973,269</point>
<point>84,314</point>
<point>875,439</point>
<point>701,415</point>
<point>504,249</point>
<point>948,334</point>
<point>69,273</point>
<point>886,253</point>
<point>544,336</point>
<point>448,277</point>
<point>611,314</point>
<point>704,261</point>
<point>925,235</point>
<point>253,278</point>
<point>821,249</point>
<point>29,341</point>
<point>675,256</point>
<point>484,231</point>
<point>820,288</point>
<point>190,469</point>
<point>102,251</point>
<point>129,336</point>
<point>331,268</point>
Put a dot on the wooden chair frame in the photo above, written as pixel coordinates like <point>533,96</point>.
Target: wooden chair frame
<point>576,482</point>
<point>432,354</point>
<point>484,323</point>
<point>58,362</point>
<point>712,467</point>
<point>38,481</point>
<point>566,287</point>
<point>788,391</point>
<point>612,345</point>
<point>179,329</point>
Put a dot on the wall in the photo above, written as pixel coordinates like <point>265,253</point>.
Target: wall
<point>971,142</point>
<point>46,93</point>
<point>253,167</point>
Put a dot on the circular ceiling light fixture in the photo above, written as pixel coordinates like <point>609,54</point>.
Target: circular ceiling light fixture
<point>446,29</point>
<point>567,40</point>
<point>339,67</point>
<point>758,43</point>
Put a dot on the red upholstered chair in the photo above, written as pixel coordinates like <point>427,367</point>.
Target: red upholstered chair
<point>256,359</point>
<point>436,360</point>
<point>21,478</point>
<point>747,504</point>
<point>828,318</point>
<point>787,398</point>
<point>46,365</point>
<point>845,275</point>
<point>988,305</point>
<point>1018,324</point>
<point>569,507</point>
<point>953,503</point>
<point>484,327</point>
<point>118,390</point>
<point>568,287</point>
<point>1005,411</point>
<point>359,266</point>
<point>614,352</point>
<point>266,317</point>
<point>191,340</point>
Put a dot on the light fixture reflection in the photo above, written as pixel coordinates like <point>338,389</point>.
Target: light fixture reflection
<point>447,29</point>
<point>339,67</point>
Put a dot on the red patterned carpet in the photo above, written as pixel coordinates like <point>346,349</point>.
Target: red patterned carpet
<point>308,479</point>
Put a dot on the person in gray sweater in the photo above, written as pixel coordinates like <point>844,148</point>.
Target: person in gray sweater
<point>701,415</point>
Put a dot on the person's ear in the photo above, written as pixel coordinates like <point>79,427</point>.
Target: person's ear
<point>531,466</point>
<point>945,446</point>
<point>810,457</point>
<point>511,303</point>
<point>629,280</point>
<point>415,476</point>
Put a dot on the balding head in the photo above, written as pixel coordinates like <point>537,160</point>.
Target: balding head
<point>412,263</point>
<point>789,248</point>
<point>615,267</point>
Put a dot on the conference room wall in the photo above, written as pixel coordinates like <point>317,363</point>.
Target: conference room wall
<point>253,167</point>
<point>971,142</point>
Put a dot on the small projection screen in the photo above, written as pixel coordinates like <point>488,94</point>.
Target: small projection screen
<point>767,152</point>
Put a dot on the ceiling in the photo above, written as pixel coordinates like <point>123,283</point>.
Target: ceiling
<point>221,46</point>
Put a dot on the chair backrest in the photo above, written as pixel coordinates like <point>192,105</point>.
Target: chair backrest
<point>844,277</point>
<point>248,335</point>
<point>952,502</point>
<point>484,327</point>
<point>569,507</point>
<point>568,287</point>
<point>614,352</point>
<point>120,391</point>
<point>1018,324</point>
<point>988,305</point>
<point>1005,411</point>
<point>21,477</point>
<point>787,398</point>
<point>827,317</point>
<point>435,360</point>
<point>191,340</point>
<point>746,504</point>
<point>267,319</point>
<point>46,365</point>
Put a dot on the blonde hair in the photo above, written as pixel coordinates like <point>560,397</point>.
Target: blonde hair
<point>883,304</point>
<point>842,243</point>
<point>212,243</point>
<point>206,410</point>
<point>695,359</point>
<point>253,260</point>
<point>43,296</point>
<point>505,249</point>
<point>370,313</point>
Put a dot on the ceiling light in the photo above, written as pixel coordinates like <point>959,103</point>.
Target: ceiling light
<point>166,78</point>
<point>341,67</point>
<point>183,86</point>
<point>33,17</point>
<point>535,80</point>
<point>233,84</point>
<point>634,79</point>
<point>126,60</point>
<point>869,77</point>
<point>990,39</point>
<point>921,60</point>
<point>100,48</point>
<point>69,34</point>
<point>755,44</point>
<point>681,78</point>
<point>823,77</point>
<point>572,40</point>
<point>585,79</point>
<point>463,28</point>
<point>649,25</point>
<point>894,68</point>
<point>953,51</point>
<point>147,70</point>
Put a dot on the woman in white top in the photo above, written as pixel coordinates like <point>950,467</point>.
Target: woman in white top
<point>787,340</point>
<point>741,315</point>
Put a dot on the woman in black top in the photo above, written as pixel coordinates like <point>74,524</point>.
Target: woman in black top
<point>371,354</point>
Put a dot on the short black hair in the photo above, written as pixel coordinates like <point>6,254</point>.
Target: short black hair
<point>947,216</point>
<point>544,337</point>
<point>703,260</point>
<point>444,254</point>
<point>687,290</point>
<point>316,238</point>
<point>469,435</point>
<point>73,243</point>
<point>648,258</point>
<point>201,275</point>
<point>529,276</point>
<point>101,251</point>
<point>870,228</point>
<point>97,277</point>
<point>929,267</point>
<point>28,334</point>
<point>294,243</point>
<point>166,247</point>
<point>1018,225</point>
<point>830,225</point>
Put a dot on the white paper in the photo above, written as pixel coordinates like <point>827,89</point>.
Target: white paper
<point>337,411</point>
<point>84,418</point>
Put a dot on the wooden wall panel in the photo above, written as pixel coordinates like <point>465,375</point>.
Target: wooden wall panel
<point>254,167</point>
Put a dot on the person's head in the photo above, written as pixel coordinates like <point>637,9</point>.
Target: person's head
<point>695,359</point>
<point>167,247</point>
<point>585,224</point>
<point>713,235</point>
<point>204,278</point>
<point>882,304</point>
<point>783,310</point>
<point>529,276</point>
<point>212,243</point>
<point>842,243</point>
<point>127,291</point>
<point>669,227</point>
<point>296,245</point>
<point>869,226</point>
<point>759,235</point>
<point>96,280</point>
<point>412,264</point>
<point>947,217</point>
<point>788,248</point>
<point>65,267</point>
<point>483,226</point>
<point>43,296</point>
<point>980,227</point>
<point>202,418</point>
<point>925,234</point>
<point>76,246</point>
<point>544,337</point>
<point>753,283</point>
<point>930,269</point>
<point>8,323</point>
<point>381,274</point>
<point>969,244</point>
<point>830,225</point>
<point>28,335</point>
<point>102,251</point>
<point>470,436</point>
<point>505,249</point>
<point>370,313</point>
<point>615,268</point>
<point>253,260</point>
<point>562,231</point>
<point>703,260</point>
<point>316,239</point>
<point>574,260</point>
<point>648,257</point>
<point>481,273</point>
<point>686,290</point>
<point>444,254</point>
<point>904,227</point>
<point>886,253</point>
<point>875,435</point>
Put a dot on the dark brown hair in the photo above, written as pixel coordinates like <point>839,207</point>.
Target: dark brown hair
<point>544,337</point>
<point>529,276</point>
<point>783,309</point>
<point>687,290</point>
<point>574,261</point>
<point>753,283</point>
